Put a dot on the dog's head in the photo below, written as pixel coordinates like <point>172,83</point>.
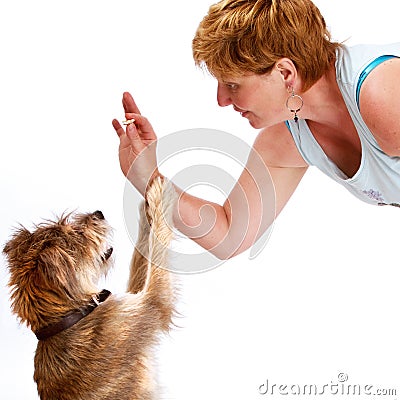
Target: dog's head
<point>55,268</point>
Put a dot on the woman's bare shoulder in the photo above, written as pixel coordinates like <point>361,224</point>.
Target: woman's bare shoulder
<point>277,148</point>
<point>380,105</point>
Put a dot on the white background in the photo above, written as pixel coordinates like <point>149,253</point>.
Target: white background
<point>321,299</point>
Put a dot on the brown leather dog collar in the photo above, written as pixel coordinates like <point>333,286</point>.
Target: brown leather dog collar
<point>72,318</point>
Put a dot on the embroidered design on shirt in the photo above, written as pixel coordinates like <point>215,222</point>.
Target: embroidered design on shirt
<point>374,195</point>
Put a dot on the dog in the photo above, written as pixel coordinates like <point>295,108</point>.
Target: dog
<point>94,345</point>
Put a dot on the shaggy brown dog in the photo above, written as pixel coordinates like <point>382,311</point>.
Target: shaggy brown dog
<point>92,345</point>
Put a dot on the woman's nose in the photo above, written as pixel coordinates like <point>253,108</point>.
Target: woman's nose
<point>223,97</point>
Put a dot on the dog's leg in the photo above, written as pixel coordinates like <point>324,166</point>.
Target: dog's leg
<point>140,259</point>
<point>150,261</point>
<point>161,201</point>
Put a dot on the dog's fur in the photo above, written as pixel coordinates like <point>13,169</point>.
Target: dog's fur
<point>54,270</point>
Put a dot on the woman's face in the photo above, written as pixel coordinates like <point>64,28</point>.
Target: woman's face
<point>259,98</point>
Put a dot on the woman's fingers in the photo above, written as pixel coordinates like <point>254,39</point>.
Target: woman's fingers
<point>129,104</point>
<point>143,126</point>
<point>137,147</point>
<point>118,128</point>
<point>132,134</point>
<point>137,130</point>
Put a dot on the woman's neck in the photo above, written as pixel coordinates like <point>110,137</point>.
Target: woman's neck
<point>323,102</point>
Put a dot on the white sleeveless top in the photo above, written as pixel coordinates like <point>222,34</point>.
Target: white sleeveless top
<point>377,180</point>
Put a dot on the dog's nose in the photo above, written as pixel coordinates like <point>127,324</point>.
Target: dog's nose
<point>98,214</point>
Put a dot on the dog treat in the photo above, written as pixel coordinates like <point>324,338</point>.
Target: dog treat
<point>128,121</point>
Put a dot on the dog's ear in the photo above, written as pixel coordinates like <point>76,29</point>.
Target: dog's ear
<point>18,244</point>
<point>58,270</point>
<point>56,264</point>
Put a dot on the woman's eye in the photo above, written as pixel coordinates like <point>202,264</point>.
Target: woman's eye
<point>232,86</point>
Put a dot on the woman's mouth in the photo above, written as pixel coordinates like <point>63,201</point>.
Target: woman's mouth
<point>243,113</point>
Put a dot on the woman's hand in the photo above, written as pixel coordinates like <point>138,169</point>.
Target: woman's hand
<point>137,147</point>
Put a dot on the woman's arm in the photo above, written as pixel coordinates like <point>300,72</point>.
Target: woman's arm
<point>258,197</point>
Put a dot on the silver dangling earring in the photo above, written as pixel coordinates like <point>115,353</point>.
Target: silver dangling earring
<point>294,104</point>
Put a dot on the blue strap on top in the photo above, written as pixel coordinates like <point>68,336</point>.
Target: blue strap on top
<point>367,71</point>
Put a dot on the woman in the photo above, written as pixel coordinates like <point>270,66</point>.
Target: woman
<point>316,102</point>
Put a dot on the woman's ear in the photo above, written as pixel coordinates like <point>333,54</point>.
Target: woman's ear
<point>287,70</point>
